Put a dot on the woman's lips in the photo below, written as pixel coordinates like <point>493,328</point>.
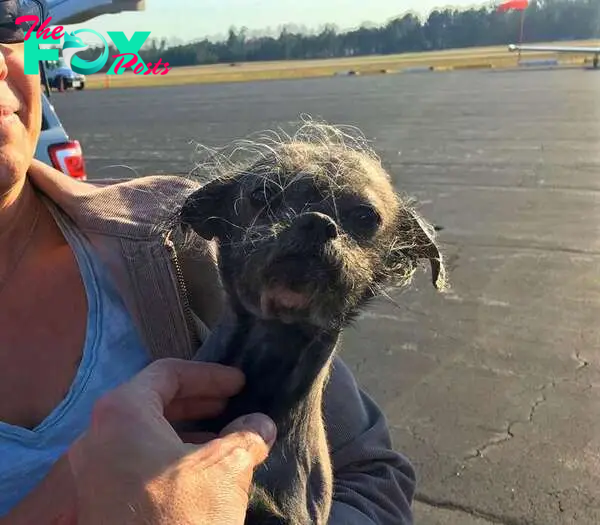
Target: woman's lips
<point>7,107</point>
<point>9,113</point>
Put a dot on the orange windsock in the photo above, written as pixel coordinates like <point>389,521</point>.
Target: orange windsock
<point>518,5</point>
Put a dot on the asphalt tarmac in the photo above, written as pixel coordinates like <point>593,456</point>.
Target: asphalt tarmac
<point>493,389</point>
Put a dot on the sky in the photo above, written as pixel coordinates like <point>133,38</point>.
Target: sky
<point>187,20</point>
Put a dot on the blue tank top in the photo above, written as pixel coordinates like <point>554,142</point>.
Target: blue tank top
<point>112,354</point>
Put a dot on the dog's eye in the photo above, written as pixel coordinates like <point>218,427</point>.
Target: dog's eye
<point>261,195</point>
<point>366,217</point>
<point>265,195</point>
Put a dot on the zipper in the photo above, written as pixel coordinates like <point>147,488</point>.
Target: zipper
<point>183,294</point>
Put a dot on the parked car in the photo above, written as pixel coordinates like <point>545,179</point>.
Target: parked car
<point>62,77</point>
<point>56,148</point>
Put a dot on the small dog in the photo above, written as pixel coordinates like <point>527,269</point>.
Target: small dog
<point>307,235</point>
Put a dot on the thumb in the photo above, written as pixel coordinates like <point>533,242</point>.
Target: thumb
<point>242,446</point>
<point>260,424</point>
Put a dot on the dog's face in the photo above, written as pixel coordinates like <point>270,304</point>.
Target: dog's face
<point>308,235</point>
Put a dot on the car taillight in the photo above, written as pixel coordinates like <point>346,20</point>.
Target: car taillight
<point>68,158</point>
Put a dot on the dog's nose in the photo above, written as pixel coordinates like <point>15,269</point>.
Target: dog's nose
<point>319,227</point>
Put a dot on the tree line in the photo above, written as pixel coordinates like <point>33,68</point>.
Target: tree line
<point>545,20</point>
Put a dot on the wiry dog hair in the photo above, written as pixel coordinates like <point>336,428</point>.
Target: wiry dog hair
<point>333,152</point>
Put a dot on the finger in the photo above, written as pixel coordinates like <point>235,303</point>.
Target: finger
<point>239,453</point>
<point>241,448</point>
<point>190,408</point>
<point>257,423</point>
<point>245,430</point>
<point>255,433</point>
<point>167,379</point>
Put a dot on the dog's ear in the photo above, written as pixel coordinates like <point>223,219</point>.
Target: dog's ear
<point>415,239</point>
<point>209,210</point>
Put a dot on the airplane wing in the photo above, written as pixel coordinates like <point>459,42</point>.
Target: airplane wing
<point>67,12</point>
<point>556,49</point>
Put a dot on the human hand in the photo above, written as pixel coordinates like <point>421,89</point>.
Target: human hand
<point>132,467</point>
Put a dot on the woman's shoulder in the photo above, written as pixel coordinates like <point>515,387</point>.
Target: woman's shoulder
<point>133,207</point>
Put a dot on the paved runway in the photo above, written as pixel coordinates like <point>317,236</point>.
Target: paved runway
<point>493,390</point>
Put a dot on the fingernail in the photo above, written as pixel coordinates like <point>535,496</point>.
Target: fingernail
<point>262,425</point>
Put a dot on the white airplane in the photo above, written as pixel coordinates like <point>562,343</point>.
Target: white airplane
<point>558,49</point>
<point>68,12</point>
